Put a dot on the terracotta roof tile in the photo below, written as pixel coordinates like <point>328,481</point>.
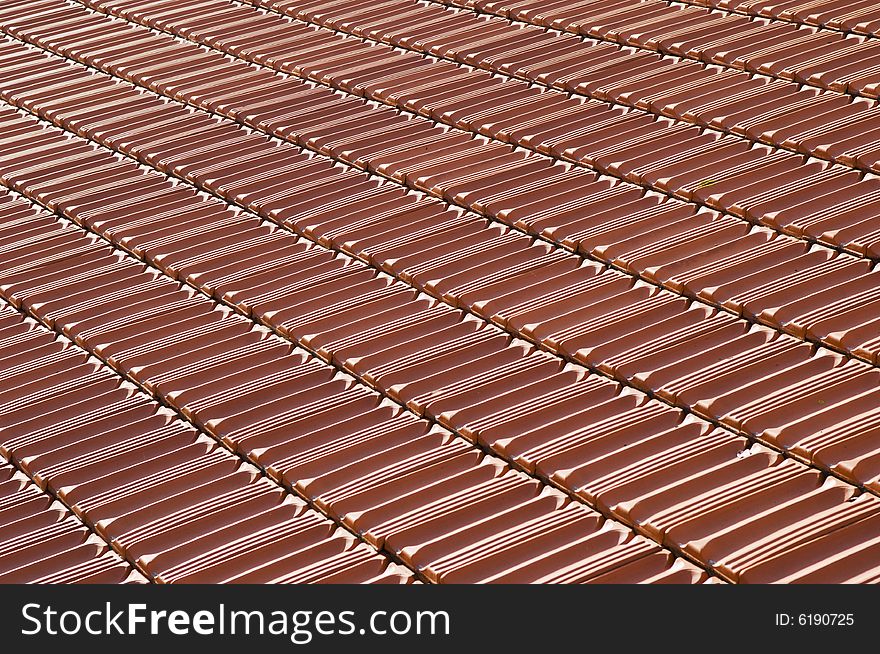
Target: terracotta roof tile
<point>307,306</point>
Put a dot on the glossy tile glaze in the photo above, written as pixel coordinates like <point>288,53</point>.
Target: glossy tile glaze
<point>450,385</point>
<point>41,542</point>
<point>713,199</point>
<point>181,508</point>
<point>128,475</point>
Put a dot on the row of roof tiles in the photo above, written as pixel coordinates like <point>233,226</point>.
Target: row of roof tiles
<point>686,27</point>
<point>183,509</point>
<point>700,231</point>
<point>390,358</point>
<point>419,354</point>
<point>42,542</point>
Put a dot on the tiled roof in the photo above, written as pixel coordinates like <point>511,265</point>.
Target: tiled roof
<point>395,291</point>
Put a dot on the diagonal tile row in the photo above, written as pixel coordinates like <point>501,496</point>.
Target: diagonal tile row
<point>40,540</point>
<point>433,499</point>
<point>840,334</point>
<point>821,124</point>
<point>825,59</point>
<point>828,126</point>
<point>564,327</point>
<point>839,311</point>
<point>824,181</point>
<point>423,351</point>
<point>852,16</point>
<point>168,499</point>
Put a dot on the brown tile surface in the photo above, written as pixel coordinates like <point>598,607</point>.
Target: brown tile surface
<point>152,512</point>
<point>126,473</point>
<point>472,330</point>
<point>41,542</point>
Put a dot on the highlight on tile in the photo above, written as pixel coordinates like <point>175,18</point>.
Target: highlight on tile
<point>439,291</point>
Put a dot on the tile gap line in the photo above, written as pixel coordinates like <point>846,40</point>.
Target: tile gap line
<point>837,250</point>
<point>484,449</point>
<point>161,401</point>
<point>48,490</point>
<point>685,409</point>
<point>640,48</point>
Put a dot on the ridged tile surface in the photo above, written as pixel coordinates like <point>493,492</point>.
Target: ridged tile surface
<point>460,292</point>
